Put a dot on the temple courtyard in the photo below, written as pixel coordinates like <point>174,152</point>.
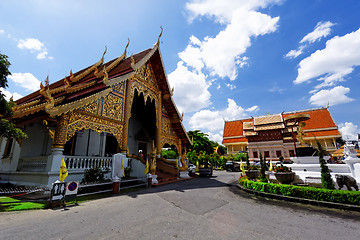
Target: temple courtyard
<point>200,208</point>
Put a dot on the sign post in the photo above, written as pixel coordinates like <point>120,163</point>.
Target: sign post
<point>57,193</point>
<point>71,190</point>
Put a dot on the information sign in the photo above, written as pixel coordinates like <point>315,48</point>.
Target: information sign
<point>58,191</point>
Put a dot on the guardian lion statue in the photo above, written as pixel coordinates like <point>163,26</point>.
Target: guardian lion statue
<point>348,181</point>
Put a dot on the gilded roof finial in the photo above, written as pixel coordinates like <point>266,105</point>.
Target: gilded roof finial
<point>124,54</point>
<point>106,76</point>
<point>47,81</point>
<point>71,75</point>
<point>102,58</point>
<point>132,61</point>
<point>158,41</point>
<point>66,82</point>
<point>41,86</point>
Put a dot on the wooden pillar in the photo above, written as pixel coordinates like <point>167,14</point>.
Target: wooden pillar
<point>127,114</point>
<point>61,131</point>
<point>158,125</point>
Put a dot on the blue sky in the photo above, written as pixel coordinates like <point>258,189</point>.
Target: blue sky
<point>226,60</point>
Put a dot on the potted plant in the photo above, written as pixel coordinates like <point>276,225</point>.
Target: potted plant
<point>284,174</point>
<point>127,172</point>
<point>252,171</point>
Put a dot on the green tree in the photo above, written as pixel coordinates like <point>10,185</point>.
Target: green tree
<point>168,153</point>
<point>326,180</point>
<point>263,169</point>
<point>7,129</point>
<point>201,142</point>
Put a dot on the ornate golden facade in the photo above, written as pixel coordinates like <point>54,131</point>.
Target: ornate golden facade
<point>100,98</point>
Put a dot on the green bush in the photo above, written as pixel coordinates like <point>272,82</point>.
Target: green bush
<point>94,175</point>
<point>320,194</point>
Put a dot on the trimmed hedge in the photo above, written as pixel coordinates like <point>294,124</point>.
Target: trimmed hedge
<point>320,194</point>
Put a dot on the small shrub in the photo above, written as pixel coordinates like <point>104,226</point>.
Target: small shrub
<point>94,175</point>
<point>282,168</point>
<point>319,194</point>
<point>251,167</point>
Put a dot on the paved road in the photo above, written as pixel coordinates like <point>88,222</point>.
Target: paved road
<point>200,208</point>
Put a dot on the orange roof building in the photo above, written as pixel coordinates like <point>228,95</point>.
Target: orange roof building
<point>124,105</point>
<point>273,135</point>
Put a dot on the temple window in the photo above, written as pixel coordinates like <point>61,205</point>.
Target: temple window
<point>255,154</point>
<point>8,147</point>
<point>291,153</point>
<point>278,153</point>
<point>267,154</point>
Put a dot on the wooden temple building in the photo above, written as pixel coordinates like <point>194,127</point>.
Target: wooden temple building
<point>280,134</point>
<point>124,105</point>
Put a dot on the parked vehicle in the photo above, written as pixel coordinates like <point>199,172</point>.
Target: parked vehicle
<point>206,170</point>
<point>231,166</point>
<point>191,168</point>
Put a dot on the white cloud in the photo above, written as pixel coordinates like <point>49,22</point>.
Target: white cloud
<point>190,89</point>
<point>35,46</point>
<point>231,86</point>
<point>295,53</point>
<point>216,137</point>
<point>26,80</point>
<point>221,10</point>
<point>253,109</point>
<point>334,96</point>
<point>221,55</point>
<point>214,120</point>
<point>333,63</point>
<point>321,30</point>
<point>8,95</point>
<point>276,89</point>
<point>349,131</point>
<point>2,31</point>
<point>31,44</point>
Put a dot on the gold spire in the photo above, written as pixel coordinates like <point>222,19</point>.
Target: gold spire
<point>158,41</point>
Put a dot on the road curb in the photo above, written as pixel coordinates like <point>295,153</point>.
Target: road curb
<point>301,200</point>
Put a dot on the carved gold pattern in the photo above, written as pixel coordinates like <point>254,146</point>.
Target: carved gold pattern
<point>33,109</point>
<point>54,111</point>
<point>171,140</point>
<point>146,74</point>
<point>60,137</point>
<point>92,107</point>
<point>80,121</point>
<point>79,87</point>
<point>26,105</point>
<point>113,107</point>
<point>120,87</point>
<point>50,131</point>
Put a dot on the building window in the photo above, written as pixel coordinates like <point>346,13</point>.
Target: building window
<point>278,153</point>
<point>267,154</point>
<point>8,147</point>
<point>255,154</point>
<point>291,153</point>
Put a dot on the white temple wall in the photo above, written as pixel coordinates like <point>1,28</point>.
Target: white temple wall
<point>9,164</point>
<point>38,142</point>
<point>89,143</point>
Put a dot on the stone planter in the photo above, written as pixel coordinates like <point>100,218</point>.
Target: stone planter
<point>252,174</point>
<point>285,177</point>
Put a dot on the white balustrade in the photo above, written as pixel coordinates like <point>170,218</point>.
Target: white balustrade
<point>74,163</point>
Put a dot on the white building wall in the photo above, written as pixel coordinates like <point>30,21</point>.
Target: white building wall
<point>38,142</point>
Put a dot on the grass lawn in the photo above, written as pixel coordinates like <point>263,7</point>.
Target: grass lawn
<point>16,205</point>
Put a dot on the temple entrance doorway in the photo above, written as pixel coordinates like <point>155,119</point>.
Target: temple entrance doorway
<point>142,126</point>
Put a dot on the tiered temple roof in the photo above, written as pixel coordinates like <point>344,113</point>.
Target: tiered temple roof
<point>93,82</point>
<point>320,124</point>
